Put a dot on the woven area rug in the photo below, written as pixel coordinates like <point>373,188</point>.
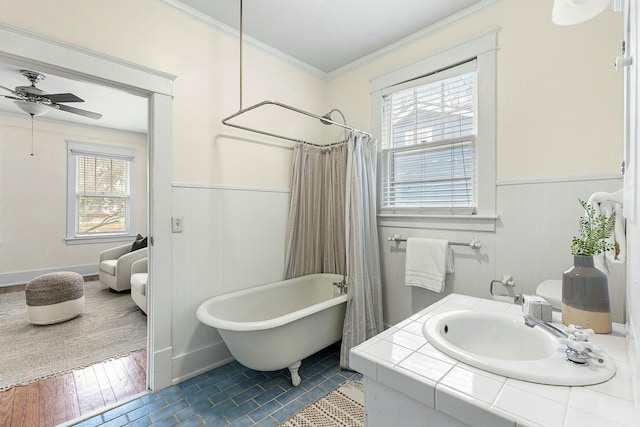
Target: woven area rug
<point>111,325</point>
<point>343,407</point>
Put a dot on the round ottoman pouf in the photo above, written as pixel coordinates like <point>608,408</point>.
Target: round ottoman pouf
<point>54,297</point>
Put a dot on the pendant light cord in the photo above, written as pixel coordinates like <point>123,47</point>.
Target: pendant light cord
<point>31,134</point>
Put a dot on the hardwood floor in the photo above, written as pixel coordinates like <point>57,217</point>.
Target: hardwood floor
<point>64,397</point>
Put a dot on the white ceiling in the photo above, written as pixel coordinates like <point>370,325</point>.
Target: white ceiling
<point>329,34</point>
<point>324,35</point>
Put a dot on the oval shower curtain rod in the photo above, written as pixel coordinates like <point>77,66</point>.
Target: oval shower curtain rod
<point>326,119</point>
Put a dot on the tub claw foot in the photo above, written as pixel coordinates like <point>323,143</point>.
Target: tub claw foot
<point>295,378</point>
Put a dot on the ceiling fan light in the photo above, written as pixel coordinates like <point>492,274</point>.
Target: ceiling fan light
<point>32,108</point>
<point>570,12</point>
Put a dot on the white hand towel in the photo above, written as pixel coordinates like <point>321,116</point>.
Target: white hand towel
<point>606,204</point>
<point>620,236</point>
<point>428,262</point>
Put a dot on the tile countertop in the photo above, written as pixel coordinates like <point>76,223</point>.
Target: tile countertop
<point>402,359</point>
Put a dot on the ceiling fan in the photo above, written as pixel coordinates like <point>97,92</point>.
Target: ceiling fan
<point>37,102</point>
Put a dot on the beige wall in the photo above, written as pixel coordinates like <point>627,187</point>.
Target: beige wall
<point>559,96</point>
<point>559,116</point>
<point>205,62</point>
<point>33,189</point>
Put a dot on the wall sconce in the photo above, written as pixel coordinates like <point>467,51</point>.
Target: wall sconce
<point>570,12</point>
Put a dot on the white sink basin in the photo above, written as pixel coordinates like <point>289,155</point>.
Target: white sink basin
<point>501,343</point>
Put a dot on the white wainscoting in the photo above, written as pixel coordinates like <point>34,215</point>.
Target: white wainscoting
<point>533,236</point>
<point>473,270</point>
<point>536,221</point>
<point>233,239</point>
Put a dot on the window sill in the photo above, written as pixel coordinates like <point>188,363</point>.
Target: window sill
<point>99,239</point>
<point>440,222</point>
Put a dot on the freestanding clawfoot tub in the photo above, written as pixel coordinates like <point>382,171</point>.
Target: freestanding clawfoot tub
<point>275,326</point>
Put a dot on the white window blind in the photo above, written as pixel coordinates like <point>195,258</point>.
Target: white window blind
<point>100,196</point>
<point>428,143</point>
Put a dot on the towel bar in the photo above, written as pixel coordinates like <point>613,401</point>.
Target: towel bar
<point>474,244</point>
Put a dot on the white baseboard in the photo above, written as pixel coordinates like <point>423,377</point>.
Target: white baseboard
<point>22,277</point>
<point>160,378</point>
<point>192,364</point>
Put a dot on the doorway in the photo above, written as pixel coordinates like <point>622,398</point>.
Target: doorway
<point>28,49</point>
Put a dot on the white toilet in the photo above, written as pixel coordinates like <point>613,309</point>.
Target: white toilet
<point>551,290</point>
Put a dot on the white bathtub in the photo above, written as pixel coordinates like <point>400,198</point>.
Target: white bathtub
<point>275,326</point>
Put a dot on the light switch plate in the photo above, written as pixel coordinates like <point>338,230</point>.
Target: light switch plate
<point>177,224</point>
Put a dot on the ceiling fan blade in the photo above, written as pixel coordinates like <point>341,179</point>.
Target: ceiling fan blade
<point>63,97</point>
<point>7,89</point>
<point>74,110</point>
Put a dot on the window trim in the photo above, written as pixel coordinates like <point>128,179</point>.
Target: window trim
<point>73,149</point>
<point>445,143</point>
<point>484,49</point>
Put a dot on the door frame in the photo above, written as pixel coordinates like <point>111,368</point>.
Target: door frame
<point>25,48</point>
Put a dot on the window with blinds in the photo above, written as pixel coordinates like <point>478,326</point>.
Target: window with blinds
<point>102,195</point>
<point>100,203</point>
<point>428,143</point>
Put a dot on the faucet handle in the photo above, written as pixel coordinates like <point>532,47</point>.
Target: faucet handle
<point>583,335</point>
<point>579,332</point>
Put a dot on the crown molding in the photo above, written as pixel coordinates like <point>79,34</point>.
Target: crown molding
<point>471,10</point>
<point>229,30</point>
<point>313,71</point>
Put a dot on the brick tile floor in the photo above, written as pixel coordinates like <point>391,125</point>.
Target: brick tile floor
<point>232,395</point>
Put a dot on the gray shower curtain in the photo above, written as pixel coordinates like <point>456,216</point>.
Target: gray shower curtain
<point>315,232</point>
<point>363,318</point>
<point>328,186</point>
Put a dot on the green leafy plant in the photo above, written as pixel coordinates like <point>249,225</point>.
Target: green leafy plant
<point>594,230</point>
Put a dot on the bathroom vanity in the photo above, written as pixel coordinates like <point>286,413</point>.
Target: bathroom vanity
<point>410,382</point>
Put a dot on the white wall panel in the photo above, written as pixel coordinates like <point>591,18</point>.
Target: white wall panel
<point>473,270</point>
<point>233,239</point>
<point>536,221</point>
<point>254,237</point>
<point>197,264</point>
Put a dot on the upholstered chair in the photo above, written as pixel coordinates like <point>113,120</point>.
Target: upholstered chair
<point>115,266</point>
<point>139,278</point>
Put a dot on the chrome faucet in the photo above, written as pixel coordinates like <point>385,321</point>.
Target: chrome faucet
<point>577,339</point>
<point>532,321</point>
<point>341,285</point>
